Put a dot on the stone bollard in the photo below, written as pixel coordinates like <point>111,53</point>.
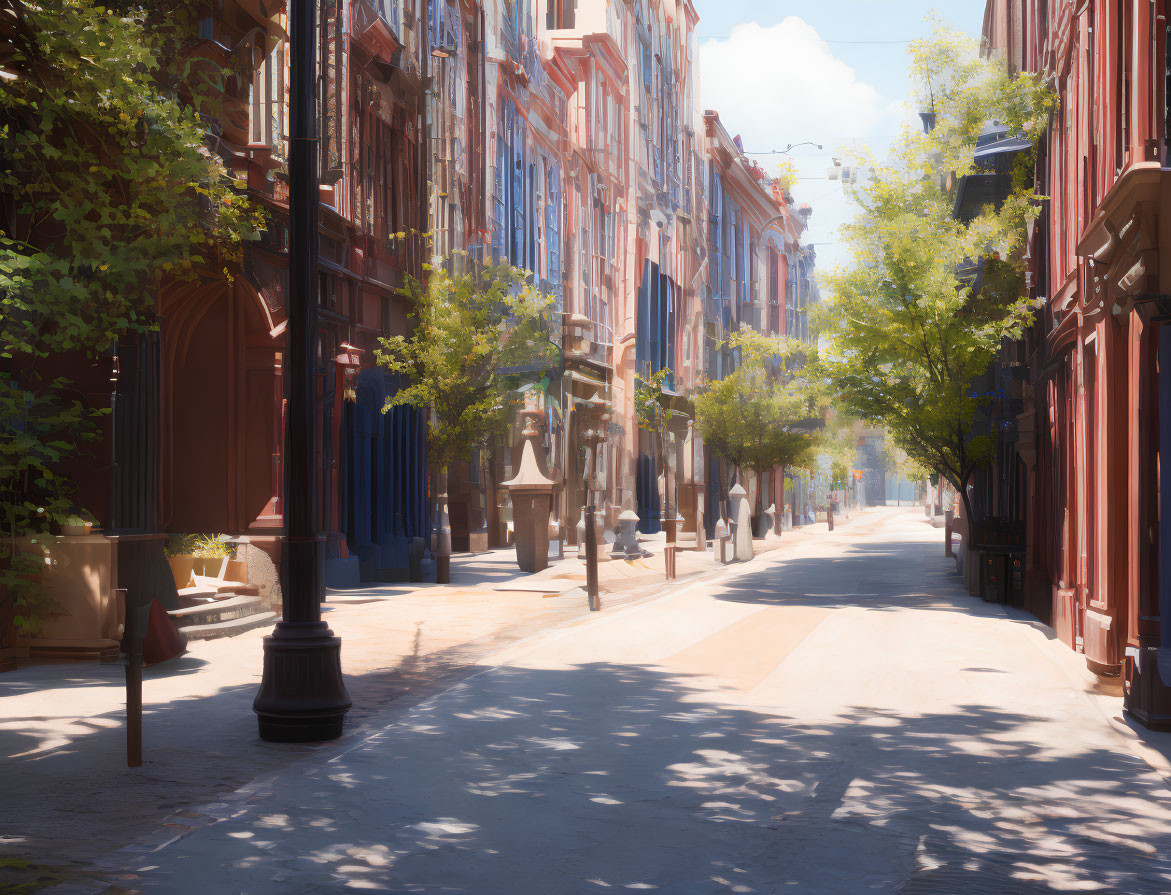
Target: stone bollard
<point>720,542</point>
<point>531,492</point>
<point>741,524</point>
<point>626,542</point>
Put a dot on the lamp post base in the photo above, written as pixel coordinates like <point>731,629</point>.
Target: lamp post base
<point>302,696</point>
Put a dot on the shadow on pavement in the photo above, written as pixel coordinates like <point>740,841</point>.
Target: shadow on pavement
<point>612,777</point>
<point>872,575</point>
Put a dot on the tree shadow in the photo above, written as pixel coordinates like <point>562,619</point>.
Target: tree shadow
<point>620,777</point>
<point>68,796</point>
<point>878,576</point>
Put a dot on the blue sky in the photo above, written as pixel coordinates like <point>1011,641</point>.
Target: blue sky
<point>832,72</point>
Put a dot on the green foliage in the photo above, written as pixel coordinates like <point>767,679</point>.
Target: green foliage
<point>904,337</point>
<point>899,463</point>
<point>839,475</point>
<point>109,190</point>
<point>111,185</point>
<point>473,333</point>
<point>43,425</point>
<point>203,546</point>
<point>763,414</point>
<point>650,405</point>
<point>839,441</point>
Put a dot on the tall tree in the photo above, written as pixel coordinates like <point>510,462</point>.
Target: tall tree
<point>654,414</point>
<point>107,188</point>
<point>470,333</point>
<point>767,412</point>
<point>904,335</point>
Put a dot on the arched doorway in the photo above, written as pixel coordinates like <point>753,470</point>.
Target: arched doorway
<point>222,410</point>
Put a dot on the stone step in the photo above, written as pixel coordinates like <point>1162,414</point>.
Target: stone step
<point>196,596</point>
<point>228,628</point>
<point>227,609</point>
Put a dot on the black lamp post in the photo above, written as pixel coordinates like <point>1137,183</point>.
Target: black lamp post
<point>302,697</point>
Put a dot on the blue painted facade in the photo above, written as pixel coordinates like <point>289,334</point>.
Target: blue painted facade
<point>655,337</point>
<point>385,479</point>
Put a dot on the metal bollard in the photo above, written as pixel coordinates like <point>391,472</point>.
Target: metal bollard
<point>947,516</point>
<point>591,545</point>
<point>139,617</point>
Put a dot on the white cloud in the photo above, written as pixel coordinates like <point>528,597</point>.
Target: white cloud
<point>783,84</point>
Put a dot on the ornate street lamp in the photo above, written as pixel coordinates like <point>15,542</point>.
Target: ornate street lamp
<point>302,697</point>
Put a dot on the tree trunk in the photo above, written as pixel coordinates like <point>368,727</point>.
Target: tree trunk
<point>442,531</point>
<point>779,518</point>
<point>667,509</point>
<point>969,519</point>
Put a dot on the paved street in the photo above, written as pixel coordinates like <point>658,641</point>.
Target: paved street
<point>62,725</point>
<point>835,718</point>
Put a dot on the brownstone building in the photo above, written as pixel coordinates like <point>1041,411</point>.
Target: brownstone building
<point>1085,465</point>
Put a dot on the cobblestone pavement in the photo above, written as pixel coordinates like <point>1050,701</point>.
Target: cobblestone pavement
<point>67,797</point>
<point>835,718</point>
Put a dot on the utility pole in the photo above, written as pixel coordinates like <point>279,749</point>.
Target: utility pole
<point>302,696</point>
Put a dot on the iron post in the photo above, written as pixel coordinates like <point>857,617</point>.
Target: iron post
<point>302,696</point>
<point>594,436</point>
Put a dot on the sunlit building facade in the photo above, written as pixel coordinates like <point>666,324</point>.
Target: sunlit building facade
<point>565,138</point>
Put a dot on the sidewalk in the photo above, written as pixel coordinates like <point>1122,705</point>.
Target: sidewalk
<point>68,797</point>
<point>497,570</point>
<point>837,718</point>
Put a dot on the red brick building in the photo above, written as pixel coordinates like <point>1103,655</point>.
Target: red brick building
<point>1088,473</point>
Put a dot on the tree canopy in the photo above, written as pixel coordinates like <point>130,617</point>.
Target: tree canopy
<point>108,188</point>
<point>904,335</point>
<point>766,412</point>
<point>651,407</point>
<point>472,333</point>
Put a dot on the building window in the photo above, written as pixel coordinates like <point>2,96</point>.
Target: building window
<point>267,102</point>
<point>561,14</point>
<point>331,79</point>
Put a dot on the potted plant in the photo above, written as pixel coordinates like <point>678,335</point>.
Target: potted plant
<point>210,551</point>
<point>75,526</point>
<point>180,554</point>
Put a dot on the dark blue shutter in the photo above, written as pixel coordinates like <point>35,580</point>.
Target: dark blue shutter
<point>531,222</point>
<point>642,333</point>
<point>517,198</point>
<point>499,215</point>
<point>553,234</point>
